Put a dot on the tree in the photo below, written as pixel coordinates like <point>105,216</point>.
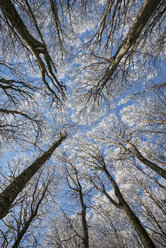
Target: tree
<point>96,161</point>
<point>36,47</point>
<point>31,207</point>
<point>16,118</point>
<point>9,194</point>
<point>131,148</point>
<point>111,51</point>
<point>152,214</point>
<point>95,69</point>
<point>76,226</point>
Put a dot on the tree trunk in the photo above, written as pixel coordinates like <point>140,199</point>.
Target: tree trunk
<point>11,192</point>
<point>143,16</point>
<point>135,152</point>
<point>84,222</point>
<point>12,15</point>
<point>34,213</point>
<point>135,222</point>
<point>150,164</point>
<point>23,231</point>
<point>46,65</point>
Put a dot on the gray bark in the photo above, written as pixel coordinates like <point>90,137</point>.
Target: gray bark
<point>84,221</point>
<point>135,152</point>
<point>11,192</point>
<point>79,189</point>
<point>34,213</point>
<point>143,16</point>
<point>135,222</point>
<point>150,164</point>
<point>46,65</point>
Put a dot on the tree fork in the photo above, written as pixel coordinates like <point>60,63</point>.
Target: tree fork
<point>37,47</point>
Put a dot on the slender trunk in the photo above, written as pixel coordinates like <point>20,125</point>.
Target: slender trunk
<point>136,153</point>
<point>83,215</point>
<point>23,231</point>
<point>45,64</point>
<point>84,222</point>
<point>11,13</point>
<point>29,221</point>
<point>135,222</point>
<point>150,164</point>
<point>11,192</point>
<point>143,16</point>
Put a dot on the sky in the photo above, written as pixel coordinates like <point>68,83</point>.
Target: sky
<point>81,68</point>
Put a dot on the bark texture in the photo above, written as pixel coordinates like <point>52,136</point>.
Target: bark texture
<point>84,221</point>
<point>78,188</point>
<point>136,153</point>
<point>135,222</point>
<point>140,22</point>
<point>150,164</point>
<point>11,192</point>
<point>37,47</point>
<point>28,222</point>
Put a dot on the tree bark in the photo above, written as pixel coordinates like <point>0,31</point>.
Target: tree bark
<point>12,15</point>
<point>34,213</point>
<point>135,152</point>
<point>150,164</point>
<point>78,189</point>
<point>11,192</point>
<point>135,222</point>
<point>143,16</point>
<point>23,231</point>
<point>46,65</point>
<point>84,221</point>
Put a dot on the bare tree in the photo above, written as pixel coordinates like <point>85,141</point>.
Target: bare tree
<point>108,73</point>
<point>131,148</point>
<point>37,48</point>
<point>72,229</point>
<point>15,117</point>
<point>92,50</point>
<point>11,192</point>
<point>152,207</point>
<point>74,183</point>
<point>95,160</point>
<point>31,210</point>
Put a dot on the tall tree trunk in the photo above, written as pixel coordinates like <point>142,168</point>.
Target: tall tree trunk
<point>23,231</point>
<point>28,222</point>
<point>37,47</point>
<point>84,221</point>
<point>11,192</point>
<point>150,164</point>
<point>143,16</point>
<point>136,153</point>
<point>135,222</point>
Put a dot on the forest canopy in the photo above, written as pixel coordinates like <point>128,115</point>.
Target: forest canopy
<point>82,124</point>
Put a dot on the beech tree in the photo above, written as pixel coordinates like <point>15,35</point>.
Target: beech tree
<point>74,183</point>
<point>30,209</point>
<point>112,50</point>
<point>46,66</point>
<point>82,123</point>
<point>10,193</point>
<point>96,161</point>
<point>76,227</point>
